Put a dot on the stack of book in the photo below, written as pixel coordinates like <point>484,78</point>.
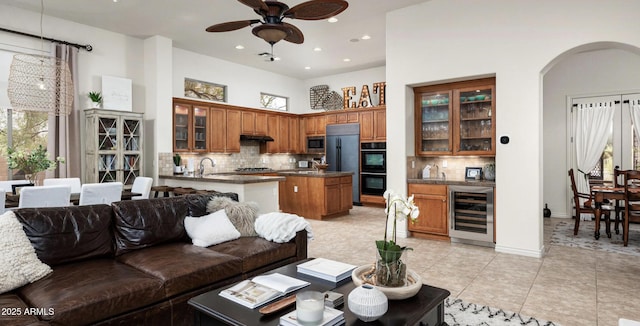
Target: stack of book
<point>333,299</point>
<point>330,317</point>
<point>326,269</point>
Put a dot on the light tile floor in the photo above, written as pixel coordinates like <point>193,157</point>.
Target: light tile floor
<point>570,286</point>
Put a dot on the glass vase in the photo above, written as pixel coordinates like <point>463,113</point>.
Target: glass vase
<point>391,268</point>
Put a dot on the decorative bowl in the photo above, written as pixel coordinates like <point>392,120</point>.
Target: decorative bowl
<point>463,98</point>
<point>392,293</point>
<point>480,97</point>
<point>471,98</point>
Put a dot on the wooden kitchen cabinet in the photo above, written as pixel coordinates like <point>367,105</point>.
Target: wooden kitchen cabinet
<point>373,126</point>
<point>234,126</point>
<point>345,117</point>
<point>432,201</point>
<point>254,123</point>
<point>315,125</point>
<point>272,147</point>
<point>456,118</point>
<point>190,128</point>
<point>295,141</point>
<point>283,134</point>
<point>316,197</point>
<point>218,132</point>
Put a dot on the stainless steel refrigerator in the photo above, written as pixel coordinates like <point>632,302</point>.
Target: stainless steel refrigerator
<point>343,152</point>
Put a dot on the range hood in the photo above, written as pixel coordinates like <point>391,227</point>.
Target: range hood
<point>256,137</point>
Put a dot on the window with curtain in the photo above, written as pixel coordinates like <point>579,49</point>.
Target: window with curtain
<point>20,130</point>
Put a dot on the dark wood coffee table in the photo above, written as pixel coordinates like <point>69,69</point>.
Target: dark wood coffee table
<point>425,308</point>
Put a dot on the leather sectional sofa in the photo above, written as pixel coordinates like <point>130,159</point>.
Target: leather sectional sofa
<point>131,263</point>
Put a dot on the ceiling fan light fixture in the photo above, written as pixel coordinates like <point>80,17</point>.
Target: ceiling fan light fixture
<point>271,33</point>
<point>332,20</point>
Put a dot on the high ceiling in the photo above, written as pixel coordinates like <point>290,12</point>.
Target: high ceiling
<point>185,21</point>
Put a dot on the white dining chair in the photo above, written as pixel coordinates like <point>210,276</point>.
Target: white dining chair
<point>76,185</point>
<point>45,196</point>
<point>100,193</point>
<point>142,185</point>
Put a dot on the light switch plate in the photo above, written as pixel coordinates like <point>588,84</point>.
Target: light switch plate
<point>444,163</point>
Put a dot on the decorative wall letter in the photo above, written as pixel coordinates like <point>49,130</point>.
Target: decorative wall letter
<point>379,88</point>
<point>347,97</point>
<point>365,98</point>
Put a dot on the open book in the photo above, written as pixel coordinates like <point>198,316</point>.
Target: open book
<point>262,289</point>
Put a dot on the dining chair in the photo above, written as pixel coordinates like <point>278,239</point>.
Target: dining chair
<point>100,193</point>
<point>587,207</point>
<point>632,202</point>
<point>618,182</point>
<point>45,196</point>
<point>142,185</point>
<point>76,185</point>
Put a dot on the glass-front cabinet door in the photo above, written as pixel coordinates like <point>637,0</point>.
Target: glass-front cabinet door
<point>200,128</point>
<point>475,119</point>
<point>181,127</point>
<point>113,150</point>
<point>434,123</point>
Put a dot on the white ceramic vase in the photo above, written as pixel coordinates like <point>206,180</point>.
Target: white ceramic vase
<point>367,303</point>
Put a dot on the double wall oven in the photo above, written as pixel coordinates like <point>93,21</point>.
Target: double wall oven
<point>373,162</point>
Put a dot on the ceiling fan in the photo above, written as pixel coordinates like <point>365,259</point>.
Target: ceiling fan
<point>272,29</point>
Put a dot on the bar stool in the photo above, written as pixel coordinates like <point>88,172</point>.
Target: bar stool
<point>164,189</point>
<point>178,191</point>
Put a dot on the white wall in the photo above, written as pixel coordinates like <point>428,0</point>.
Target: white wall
<point>515,40</point>
<point>600,72</point>
<point>244,84</point>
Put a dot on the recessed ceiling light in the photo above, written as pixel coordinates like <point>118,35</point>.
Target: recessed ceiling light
<point>346,59</point>
<point>365,37</point>
<point>332,20</point>
<point>317,49</point>
<point>239,47</point>
<point>307,68</point>
<point>115,0</point>
<point>276,58</point>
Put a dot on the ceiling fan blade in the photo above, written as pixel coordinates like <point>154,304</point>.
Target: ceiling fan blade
<point>231,26</point>
<point>255,4</point>
<point>295,35</point>
<point>316,9</point>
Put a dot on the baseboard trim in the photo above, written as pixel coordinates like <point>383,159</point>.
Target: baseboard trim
<point>521,252</point>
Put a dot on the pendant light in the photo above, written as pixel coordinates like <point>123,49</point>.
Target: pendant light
<point>40,82</point>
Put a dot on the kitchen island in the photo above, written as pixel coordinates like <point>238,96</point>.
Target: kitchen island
<point>260,189</point>
<point>316,195</point>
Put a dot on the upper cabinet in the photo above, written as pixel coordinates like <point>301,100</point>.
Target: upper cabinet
<point>315,125</point>
<point>190,128</point>
<point>456,118</point>
<point>254,123</point>
<point>373,125</point>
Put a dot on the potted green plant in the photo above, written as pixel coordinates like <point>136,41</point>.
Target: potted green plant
<point>96,99</point>
<point>177,168</point>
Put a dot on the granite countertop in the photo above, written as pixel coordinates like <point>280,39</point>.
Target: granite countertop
<point>314,174</point>
<point>453,181</point>
<point>227,178</point>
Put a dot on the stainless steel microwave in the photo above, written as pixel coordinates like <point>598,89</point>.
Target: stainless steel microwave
<point>315,144</point>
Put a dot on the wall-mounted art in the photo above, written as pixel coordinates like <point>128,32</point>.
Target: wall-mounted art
<point>205,90</point>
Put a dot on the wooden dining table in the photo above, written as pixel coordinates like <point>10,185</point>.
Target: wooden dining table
<point>602,193</point>
<point>13,200</point>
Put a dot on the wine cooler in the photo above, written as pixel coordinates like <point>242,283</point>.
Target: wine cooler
<point>471,215</point>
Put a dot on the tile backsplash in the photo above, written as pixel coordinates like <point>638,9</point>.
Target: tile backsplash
<point>455,165</point>
<point>249,156</point>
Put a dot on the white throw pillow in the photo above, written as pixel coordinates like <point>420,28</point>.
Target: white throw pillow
<point>210,229</point>
<point>19,264</point>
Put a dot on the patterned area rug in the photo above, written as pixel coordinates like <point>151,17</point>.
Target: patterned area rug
<point>460,313</point>
<point>563,236</point>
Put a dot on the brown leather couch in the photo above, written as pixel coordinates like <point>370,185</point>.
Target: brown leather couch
<point>131,263</point>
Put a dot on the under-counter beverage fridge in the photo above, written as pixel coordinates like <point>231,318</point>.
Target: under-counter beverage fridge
<point>471,215</point>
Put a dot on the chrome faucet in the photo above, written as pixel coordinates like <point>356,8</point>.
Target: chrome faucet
<point>201,167</point>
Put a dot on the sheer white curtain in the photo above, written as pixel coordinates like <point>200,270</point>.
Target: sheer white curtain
<point>635,115</point>
<point>593,123</point>
<point>64,131</point>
